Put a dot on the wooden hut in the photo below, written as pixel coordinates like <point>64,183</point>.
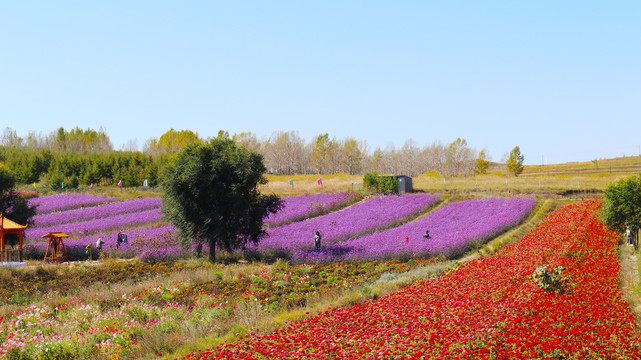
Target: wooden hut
<point>10,236</point>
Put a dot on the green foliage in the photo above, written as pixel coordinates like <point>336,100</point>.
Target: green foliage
<point>75,168</point>
<point>210,193</point>
<point>319,159</point>
<point>16,353</point>
<point>622,206</point>
<point>380,184</point>
<point>515,162</point>
<point>82,140</point>
<point>172,142</point>
<point>551,281</point>
<point>482,164</point>
<point>12,205</point>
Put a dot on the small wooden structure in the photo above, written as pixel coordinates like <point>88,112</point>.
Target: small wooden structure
<point>10,235</point>
<point>56,251</point>
<point>404,184</point>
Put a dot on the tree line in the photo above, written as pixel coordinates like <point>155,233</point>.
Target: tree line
<point>87,157</point>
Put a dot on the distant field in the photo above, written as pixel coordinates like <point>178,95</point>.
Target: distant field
<point>581,179</point>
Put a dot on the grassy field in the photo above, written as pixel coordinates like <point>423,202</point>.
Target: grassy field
<point>579,180</point>
<point>283,294</point>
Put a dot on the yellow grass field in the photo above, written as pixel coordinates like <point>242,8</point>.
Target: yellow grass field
<point>584,180</point>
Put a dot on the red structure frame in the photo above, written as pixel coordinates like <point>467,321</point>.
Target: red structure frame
<point>10,227</point>
<point>56,251</point>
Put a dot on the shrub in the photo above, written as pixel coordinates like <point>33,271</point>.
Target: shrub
<point>551,281</point>
<point>380,184</point>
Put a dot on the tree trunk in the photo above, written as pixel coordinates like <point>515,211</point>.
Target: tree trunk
<point>212,251</point>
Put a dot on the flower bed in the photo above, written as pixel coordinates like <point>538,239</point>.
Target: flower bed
<point>300,207</point>
<point>95,212</point>
<point>47,204</point>
<point>452,229</point>
<point>142,242</point>
<point>121,221</point>
<point>114,327</point>
<point>490,308</point>
<point>374,213</point>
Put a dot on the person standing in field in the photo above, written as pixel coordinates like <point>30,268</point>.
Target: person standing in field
<point>317,239</point>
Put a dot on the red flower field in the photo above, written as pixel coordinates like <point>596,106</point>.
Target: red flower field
<point>488,309</point>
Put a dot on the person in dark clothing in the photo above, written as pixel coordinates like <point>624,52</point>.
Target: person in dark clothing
<point>427,234</point>
<point>317,239</point>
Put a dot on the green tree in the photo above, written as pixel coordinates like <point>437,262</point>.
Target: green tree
<point>12,205</point>
<point>515,162</point>
<point>210,193</point>
<point>622,205</point>
<point>482,163</point>
<point>320,153</point>
<point>172,142</point>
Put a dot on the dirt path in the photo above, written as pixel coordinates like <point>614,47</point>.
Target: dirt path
<point>629,279</point>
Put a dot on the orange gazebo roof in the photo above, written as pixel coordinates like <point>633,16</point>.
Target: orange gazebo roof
<point>6,224</point>
<point>55,235</point>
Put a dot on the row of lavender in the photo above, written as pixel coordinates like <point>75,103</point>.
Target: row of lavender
<point>296,208</point>
<point>96,212</point>
<point>451,231</point>
<point>47,204</point>
<point>374,214</point>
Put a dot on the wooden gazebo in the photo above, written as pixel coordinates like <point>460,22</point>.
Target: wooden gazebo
<point>56,251</point>
<point>10,236</point>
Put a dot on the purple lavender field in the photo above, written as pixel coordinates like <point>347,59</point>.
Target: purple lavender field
<point>96,212</point>
<point>452,229</point>
<point>120,221</point>
<point>300,207</point>
<point>152,244</point>
<point>47,204</point>
<point>374,213</point>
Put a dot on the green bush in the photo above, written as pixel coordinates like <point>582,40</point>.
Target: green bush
<point>551,281</point>
<point>380,184</point>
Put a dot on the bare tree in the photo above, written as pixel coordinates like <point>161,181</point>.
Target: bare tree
<point>285,151</point>
<point>353,154</point>
<point>409,157</point>
<point>249,141</point>
<point>10,138</point>
<point>460,160</point>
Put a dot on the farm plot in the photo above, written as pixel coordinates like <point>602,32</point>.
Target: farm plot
<point>95,212</point>
<point>489,308</point>
<point>149,238</point>
<point>375,213</point>
<point>451,231</point>
<point>297,208</point>
<point>47,204</point>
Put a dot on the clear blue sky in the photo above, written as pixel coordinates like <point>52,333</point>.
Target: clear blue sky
<point>560,79</point>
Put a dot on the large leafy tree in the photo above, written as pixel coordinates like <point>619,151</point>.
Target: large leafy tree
<point>515,161</point>
<point>210,193</point>
<point>12,205</point>
<point>622,205</point>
